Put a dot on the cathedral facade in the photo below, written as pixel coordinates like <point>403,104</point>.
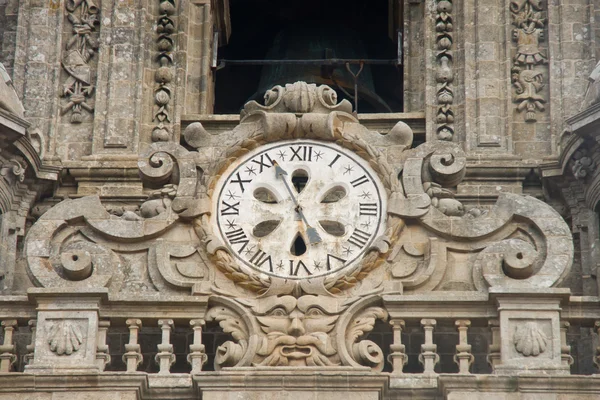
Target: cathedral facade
<point>219,199</point>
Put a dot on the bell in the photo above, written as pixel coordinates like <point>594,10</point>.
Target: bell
<point>310,43</point>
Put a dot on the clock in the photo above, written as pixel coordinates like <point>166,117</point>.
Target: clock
<point>299,209</point>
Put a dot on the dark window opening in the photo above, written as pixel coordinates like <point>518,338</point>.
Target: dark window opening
<point>305,30</point>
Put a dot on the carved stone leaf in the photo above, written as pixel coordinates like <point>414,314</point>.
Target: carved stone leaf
<point>229,322</point>
<point>364,323</point>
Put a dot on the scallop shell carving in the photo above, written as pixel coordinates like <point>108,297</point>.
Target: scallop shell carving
<point>64,337</point>
<point>529,340</point>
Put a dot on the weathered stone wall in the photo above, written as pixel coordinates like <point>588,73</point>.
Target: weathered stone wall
<point>8,32</point>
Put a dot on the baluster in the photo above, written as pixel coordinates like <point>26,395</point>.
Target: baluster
<point>428,357</point>
<point>102,355</point>
<point>31,346</point>
<point>463,356</point>
<point>197,357</point>
<point>597,357</point>
<point>133,357</point>
<point>494,355</point>
<point>165,357</point>
<point>565,349</point>
<point>8,354</point>
<point>398,358</point>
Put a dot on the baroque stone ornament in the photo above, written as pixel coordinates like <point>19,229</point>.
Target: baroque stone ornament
<point>81,47</point>
<point>164,74</point>
<point>528,80</point>
<point>64,337</point>
<point>582,164</point>
<point>444,73</point>
<point>529,340</point>
<point>292,236</point>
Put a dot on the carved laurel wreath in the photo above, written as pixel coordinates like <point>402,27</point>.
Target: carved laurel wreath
<point>336,283</point>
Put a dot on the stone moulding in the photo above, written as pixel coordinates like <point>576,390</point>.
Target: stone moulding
<point>163,76</point>
<point>444,75</point>
<point>527,78</point>
<point>79,86</point>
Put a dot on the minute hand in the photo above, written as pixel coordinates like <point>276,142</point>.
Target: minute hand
<point>313,235</point>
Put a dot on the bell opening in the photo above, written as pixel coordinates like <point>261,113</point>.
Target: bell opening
<point>312,30</point>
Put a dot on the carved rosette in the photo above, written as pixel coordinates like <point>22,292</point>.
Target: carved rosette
<point>81,47</point>
<point>444,75</point>
<point>527,76</point>
<point>165,73</point>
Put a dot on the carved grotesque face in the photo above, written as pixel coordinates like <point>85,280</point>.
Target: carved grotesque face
<point>297,330</point>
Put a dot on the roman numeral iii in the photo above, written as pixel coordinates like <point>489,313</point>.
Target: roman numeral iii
<point>368,209</point>
<point>359,238</point>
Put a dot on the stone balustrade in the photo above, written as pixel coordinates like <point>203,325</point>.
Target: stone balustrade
<point>426,346</point>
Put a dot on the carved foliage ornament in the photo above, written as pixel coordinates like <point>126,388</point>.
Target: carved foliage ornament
<point>164,75</point>
<point>527,76</point>
<point>444,75</point>
<point>365,227</point>
<point>81,47</point>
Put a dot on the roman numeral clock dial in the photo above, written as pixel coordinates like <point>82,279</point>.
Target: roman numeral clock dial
<point>299,209</point>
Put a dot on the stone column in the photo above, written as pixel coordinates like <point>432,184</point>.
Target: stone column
<point>530,332</point>
<point>398,358</point>
<point>8,350</point>
<point>165,357</point>
<point>133,357</point>
<point>428,357</point>
<point>67,331</point>
<point>197,356</point>
<point>463,356</point>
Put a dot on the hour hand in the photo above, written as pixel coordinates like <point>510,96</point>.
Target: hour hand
<point>313,235</point>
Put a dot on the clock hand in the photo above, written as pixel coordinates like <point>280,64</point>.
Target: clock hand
<point>313,235</point>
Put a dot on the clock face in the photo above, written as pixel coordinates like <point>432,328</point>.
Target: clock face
<point>299,209</point>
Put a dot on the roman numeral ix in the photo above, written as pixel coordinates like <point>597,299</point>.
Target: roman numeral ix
<point>230,209</point>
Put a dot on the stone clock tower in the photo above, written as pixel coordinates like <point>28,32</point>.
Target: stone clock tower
<point>331,200</point>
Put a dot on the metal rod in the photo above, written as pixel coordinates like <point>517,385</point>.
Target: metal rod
<point>321,61</point>
<point>355,76</point>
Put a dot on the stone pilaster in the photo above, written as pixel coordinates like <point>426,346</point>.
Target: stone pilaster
<point>530,333</point>
<point>67,331</point>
